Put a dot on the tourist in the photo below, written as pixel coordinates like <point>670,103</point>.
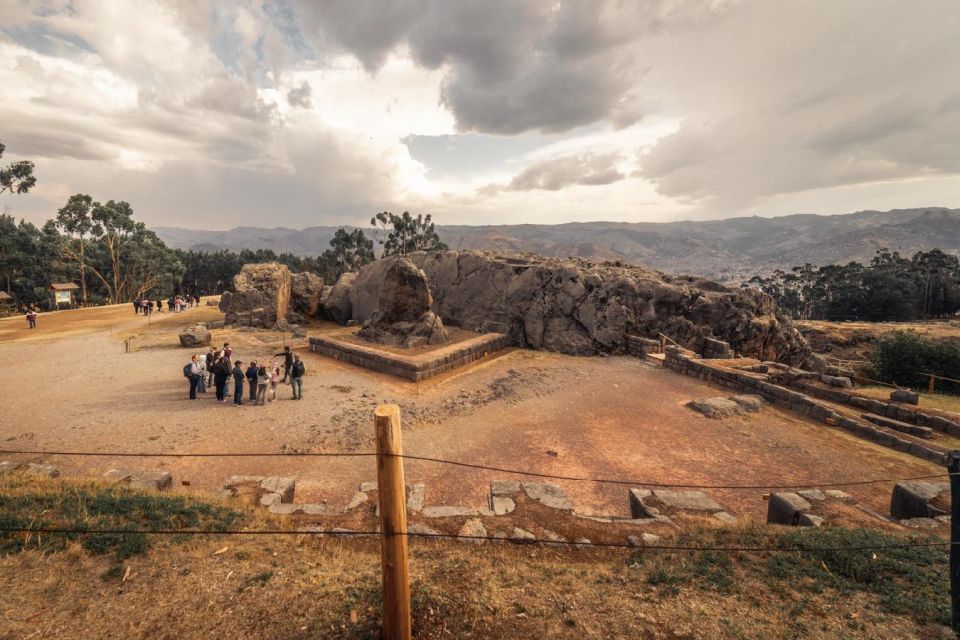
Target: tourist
<point>143,306</point>
<point>192,373</point>
<point>274,380</point>
<point>202,365</point>
<point>297,370</point>
<point>221,371</point>
<point>32,319</point>
<point>252,380</point>
<point>159,305</point>
<point>227,352</point>
<point>170,305</point>
<point>149,307</point>
<point>237,383</point>
<point>211,359</point>
<point>136,306</point>
<point>263,381</point>
<point>287,361</point>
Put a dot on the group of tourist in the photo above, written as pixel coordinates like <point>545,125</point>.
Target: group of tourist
<point>175,304</point>
<point>216,368</point>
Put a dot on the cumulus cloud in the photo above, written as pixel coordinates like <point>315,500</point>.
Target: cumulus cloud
<point>300,96</point>
<point>557,173</point>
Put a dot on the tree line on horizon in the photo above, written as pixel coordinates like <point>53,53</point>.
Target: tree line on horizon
<point>889,288</point>
<point>113,258</point>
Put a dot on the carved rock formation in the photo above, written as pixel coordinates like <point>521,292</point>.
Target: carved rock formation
<point>582,307</point>
<point>403,314</point>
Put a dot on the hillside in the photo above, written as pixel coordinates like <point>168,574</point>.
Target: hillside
<point>728,249</point>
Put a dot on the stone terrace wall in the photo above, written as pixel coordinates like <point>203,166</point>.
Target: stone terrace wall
<point>689,365</point>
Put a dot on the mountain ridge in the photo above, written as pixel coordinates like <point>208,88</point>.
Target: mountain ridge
<point>730,249</point>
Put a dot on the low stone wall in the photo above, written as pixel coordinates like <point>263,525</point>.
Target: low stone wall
<point>639,346</point>
<point>756,383</point>
<point>893,410</point>
<point>412,367</point>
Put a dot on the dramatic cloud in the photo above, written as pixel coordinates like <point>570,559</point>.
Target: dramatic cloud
<point>212,113</point>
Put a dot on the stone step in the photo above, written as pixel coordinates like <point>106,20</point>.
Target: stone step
<point>903,427</point>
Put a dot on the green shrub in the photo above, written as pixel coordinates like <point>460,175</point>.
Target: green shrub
<point>903,357</point>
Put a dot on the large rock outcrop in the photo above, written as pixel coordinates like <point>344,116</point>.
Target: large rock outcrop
<point>581,307</point>
<point>403,314</point>
<point>306,291</point>
<point>268,295</point>
<point>337,306</point>
<point>260,296</point>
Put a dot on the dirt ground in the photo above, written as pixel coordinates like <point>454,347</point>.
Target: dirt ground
<point>72,385</point>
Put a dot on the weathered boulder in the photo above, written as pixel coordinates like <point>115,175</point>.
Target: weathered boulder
<point>337,305</point>
<point>260,296</point>
<point>196,336</point>
<point>836,381</point>
<point>786,508</point>
<point>582,307</point>
<point>920,500</point>
<point>905,396</point>
<point>403,314</point>
<point>305,291</point>
<point>716,408</point>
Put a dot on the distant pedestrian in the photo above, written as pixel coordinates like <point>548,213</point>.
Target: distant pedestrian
<point>136,306</point>
<point>32,319</point>
<point>287,362</point>
<point>192,373</point>
<point>149,307</point>
<point>297,371</point>
<point>252,380</point>
<point>237,383</point>
<point>227,352</point>
<point>159,305</point>
<point>263,381</point>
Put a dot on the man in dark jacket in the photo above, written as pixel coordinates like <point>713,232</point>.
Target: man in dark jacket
<point>297,370</point>
<point>252,380</point>
<point>287,362</point>
<point>237,383</point>
<point>221,372</point>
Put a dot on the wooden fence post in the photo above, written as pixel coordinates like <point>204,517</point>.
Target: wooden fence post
<point>953,467</point>
<point>933,383</point>
<point>391,491</point>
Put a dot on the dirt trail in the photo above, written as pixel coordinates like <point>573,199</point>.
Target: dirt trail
<point>75,388</point>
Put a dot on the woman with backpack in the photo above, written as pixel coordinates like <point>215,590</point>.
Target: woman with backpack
<point>192,373</point>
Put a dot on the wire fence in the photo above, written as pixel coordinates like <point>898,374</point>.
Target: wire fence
<point>474,538</point>
<point>482,467</point>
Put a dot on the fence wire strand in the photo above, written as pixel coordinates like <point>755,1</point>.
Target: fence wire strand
<point>469,465</point>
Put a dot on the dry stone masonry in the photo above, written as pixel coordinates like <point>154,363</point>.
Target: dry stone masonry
<point>267,295</point>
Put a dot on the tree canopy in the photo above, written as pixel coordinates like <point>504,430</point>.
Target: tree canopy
<point>403,234</point>
<point>16,177</point>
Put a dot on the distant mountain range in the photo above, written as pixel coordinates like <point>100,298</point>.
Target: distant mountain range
<point>726,250</point>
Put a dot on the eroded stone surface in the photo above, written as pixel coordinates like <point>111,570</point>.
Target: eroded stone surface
<point>473,528</point>
<point>403,315</point>
<point>521,535</point>
<point>786,508</point>
<point>280,484</point>
<point>917,499</point>
<point>549,495</point>
<point>502,505</point>
<point>686,500</point>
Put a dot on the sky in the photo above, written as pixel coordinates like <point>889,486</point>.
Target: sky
<point>211,114</point>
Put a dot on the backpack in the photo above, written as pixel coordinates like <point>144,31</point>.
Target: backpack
<point>186,370</point>
<point>299,369</point>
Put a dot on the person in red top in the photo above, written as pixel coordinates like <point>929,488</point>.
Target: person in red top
<point>32,319</point>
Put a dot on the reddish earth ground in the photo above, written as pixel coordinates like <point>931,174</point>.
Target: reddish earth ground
<point>70,385</point>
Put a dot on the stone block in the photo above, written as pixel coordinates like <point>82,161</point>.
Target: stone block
<point>749,402</point>
<point>905,396</point>
<point>159,480</point>
<point>638,509</point>
<point>837,381</point>
<point>269,499</point>
<point>449,512</point>
<point>502,505</point>
<point>549,495</point>
<point>47,470</point>
<point>280,484</point>
<point>913,499</point>
<point>504,487</point>
<point>235,481</point>
<point>812,494</point>
<point>117,476</point>
<point>358,499</point>
<point>786,508</point>
<point>418,528</point>
<point>810,520</point>
<point>716,408</point>
<point>416,494</point>
<point>521,535</point>
<point>368,486</point>
<point>473,528</point>
<point>686,500</point>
